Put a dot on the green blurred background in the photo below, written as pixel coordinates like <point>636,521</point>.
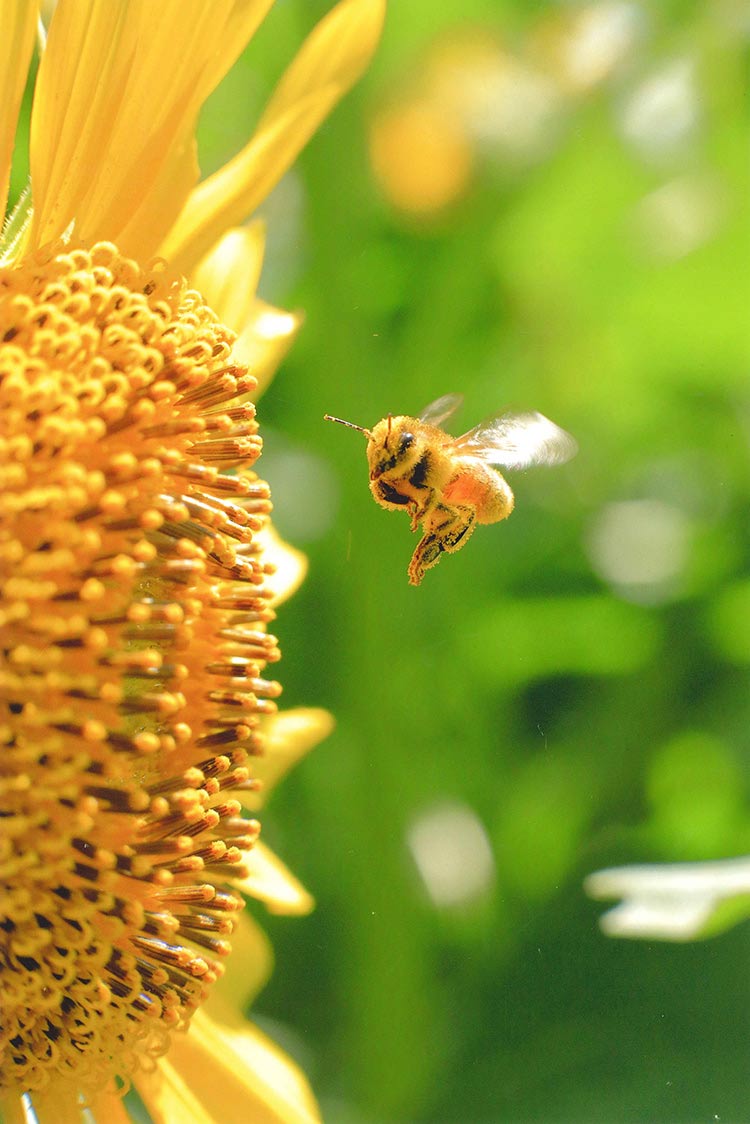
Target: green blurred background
<point>544,206</point>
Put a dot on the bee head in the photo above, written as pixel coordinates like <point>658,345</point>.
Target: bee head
<point>391,446</point>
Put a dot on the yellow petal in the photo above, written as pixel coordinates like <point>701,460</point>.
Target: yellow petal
<point>168,1097</point>
<point>216,1074</point>
<point>329,63</point>
<point>228,278</point>
<point>108,1107</point>
<point>273,884</point>
<point>247,969</point>
<point>228,275</point>
<point>59,1103</point>
<point>290,566</point>
<point>18,22</point>
<point>12,1110</point>
<point>118,92</point>
<point>267,336</point>
<point>288,736</point>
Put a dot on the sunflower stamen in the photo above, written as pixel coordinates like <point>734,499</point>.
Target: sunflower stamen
<point>130,566</point>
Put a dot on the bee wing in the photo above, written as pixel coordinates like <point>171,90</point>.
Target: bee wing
<point>517,441</point>
<point>440,410</point>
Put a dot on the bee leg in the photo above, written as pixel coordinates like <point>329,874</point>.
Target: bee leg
<point>447,533</point>
<point>458,531</point>
<point>420,509</point>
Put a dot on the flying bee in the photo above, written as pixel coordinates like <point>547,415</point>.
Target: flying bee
<point>448,483</point>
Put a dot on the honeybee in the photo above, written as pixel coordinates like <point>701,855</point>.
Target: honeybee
<point>447,483</point>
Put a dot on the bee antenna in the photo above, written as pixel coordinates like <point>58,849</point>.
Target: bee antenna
<point>351,425</point>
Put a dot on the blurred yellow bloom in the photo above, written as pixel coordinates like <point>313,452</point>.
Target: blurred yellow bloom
<point>421,155</point>
<point>138,570</point>
<point>471,104</point>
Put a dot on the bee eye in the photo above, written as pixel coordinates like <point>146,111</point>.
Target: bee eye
<point>405,441</point>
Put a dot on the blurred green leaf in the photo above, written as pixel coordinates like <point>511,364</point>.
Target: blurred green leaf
<point>511,643</point>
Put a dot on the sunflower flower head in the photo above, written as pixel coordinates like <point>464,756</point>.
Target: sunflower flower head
<point>134,651</point>
<point>138,573</point>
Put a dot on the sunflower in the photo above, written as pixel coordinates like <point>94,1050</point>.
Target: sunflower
<point>138,569</point>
